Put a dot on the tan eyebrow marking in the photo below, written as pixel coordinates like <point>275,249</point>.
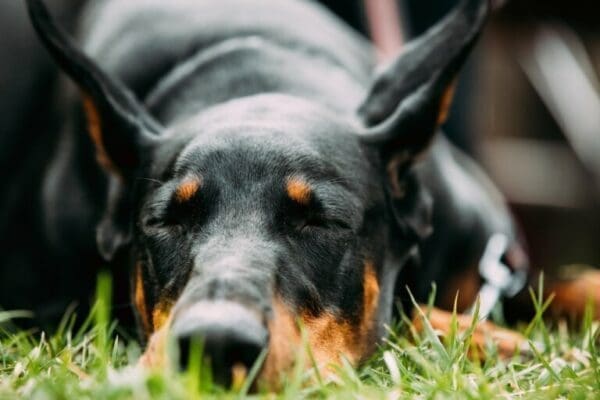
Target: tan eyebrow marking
<point>187,189</point>
<point>299,190</point>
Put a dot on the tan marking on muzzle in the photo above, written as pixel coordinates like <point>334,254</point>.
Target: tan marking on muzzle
<point>299,190</point>
<point>371,292</point>
<point>155,355</point>
<point>332,338</point>
<point>161,314</point>
<point>329,337</point>
<point>140,299</point>
<point>284,337</point>
<point>187,189</point>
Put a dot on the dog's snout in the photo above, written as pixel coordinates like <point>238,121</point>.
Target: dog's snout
<point>232,336</point>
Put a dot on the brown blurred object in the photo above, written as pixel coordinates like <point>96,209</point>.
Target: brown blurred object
<point>535,109</point>
<point>508,342</point>
<point>577,289</point>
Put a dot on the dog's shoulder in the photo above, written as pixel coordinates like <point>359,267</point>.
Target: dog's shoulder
<point>467,193</point>
<point>467,211</point>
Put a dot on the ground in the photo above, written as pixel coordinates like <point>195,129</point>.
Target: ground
<point>98,362</point>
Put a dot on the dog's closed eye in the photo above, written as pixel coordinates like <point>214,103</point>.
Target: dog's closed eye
<point>174,208</point>
<point>309,218</point>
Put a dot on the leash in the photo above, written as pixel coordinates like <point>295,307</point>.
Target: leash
<point>499,280</point>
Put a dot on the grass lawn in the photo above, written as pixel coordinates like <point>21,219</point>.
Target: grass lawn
<point>96,362</point>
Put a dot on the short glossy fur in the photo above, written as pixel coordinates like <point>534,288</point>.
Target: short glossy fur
<point>254,171</point>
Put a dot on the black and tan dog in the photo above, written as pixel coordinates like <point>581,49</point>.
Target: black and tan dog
<point>254,172</point>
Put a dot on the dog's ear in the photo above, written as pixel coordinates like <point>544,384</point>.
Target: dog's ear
<point>122,130</point>
<point>410,98</point>
<point>120,127</point>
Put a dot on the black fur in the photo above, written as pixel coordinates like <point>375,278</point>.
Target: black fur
<point>243,96</point>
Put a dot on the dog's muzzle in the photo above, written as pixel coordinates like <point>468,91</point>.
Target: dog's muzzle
<point>232,336</point>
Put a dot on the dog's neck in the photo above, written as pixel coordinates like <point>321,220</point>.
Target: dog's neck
<point>252,65</point>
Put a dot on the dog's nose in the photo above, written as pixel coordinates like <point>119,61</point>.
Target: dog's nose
<point>232,335</point>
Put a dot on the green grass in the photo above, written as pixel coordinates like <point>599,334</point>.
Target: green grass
<point>95,362</point>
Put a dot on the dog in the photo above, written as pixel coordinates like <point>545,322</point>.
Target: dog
<point>258,176</point>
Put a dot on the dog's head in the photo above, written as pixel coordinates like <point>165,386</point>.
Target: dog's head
<point>270,213</point>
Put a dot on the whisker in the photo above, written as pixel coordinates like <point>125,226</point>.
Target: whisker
<point>150,180</point>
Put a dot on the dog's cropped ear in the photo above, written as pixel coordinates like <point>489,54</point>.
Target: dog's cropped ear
<point>408,102</point>
<point>410,98</point>
<point>120,127</point>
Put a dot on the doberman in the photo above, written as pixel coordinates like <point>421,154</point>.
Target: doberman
<point>255,174</point>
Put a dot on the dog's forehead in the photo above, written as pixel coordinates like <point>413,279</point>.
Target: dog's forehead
<point>273,129</point>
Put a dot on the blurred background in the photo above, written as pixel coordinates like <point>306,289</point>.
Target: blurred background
<point>527,108</point>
